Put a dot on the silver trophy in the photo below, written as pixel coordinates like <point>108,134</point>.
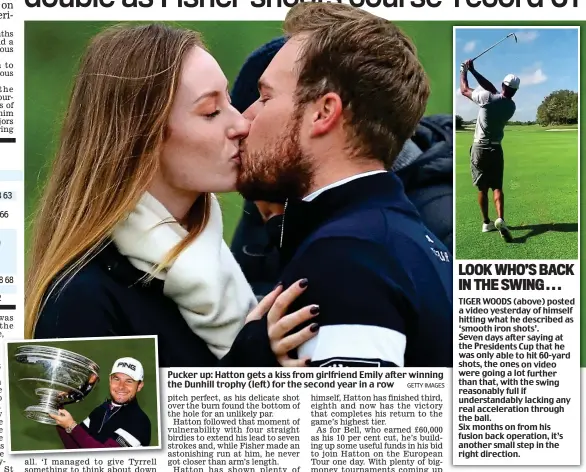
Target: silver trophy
<point>52,377</point>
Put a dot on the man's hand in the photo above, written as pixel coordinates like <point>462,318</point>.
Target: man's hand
<point>63,419</point>
<point>469,65</point>
<point>464,87</point>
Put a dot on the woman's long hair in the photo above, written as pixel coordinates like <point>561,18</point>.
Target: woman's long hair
<point>111,140</point>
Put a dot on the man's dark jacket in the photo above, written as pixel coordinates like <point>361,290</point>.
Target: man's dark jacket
<point>110,426</point>
<point>380,277</point>
<point>127,424</point>
<point>427,180</point>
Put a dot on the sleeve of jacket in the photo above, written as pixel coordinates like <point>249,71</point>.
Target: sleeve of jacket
<point>86,441</point>
<point>66,439</point>
<point>364,315</point>
<point>251,348</point>
<point>135,434</point>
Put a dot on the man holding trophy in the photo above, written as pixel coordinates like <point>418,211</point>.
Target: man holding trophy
<point>118,422</point>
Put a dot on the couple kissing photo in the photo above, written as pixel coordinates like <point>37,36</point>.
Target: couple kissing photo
<point>292,210</point>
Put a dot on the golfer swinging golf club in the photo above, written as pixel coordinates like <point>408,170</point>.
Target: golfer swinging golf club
<point>486,153</point>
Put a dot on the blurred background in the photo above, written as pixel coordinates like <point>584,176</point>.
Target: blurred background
<point>28,435</point>
<point>53,49</point>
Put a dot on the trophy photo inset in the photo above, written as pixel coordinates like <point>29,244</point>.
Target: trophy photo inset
<point>52,378</point>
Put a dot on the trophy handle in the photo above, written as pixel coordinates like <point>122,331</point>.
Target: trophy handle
<point>77,396</point>
<point>72,397</point>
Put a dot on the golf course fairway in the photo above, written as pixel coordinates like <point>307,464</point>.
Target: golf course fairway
<point>541,196</point>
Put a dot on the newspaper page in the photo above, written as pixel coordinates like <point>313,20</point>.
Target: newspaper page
<point>202,201</point>
<point>517,306</point>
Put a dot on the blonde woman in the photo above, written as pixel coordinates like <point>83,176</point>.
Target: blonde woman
<point>128,236</point>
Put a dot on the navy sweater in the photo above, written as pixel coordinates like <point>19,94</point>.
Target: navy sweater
<point>110,426</point>
<point>382,279</point>
<point>428,184</point>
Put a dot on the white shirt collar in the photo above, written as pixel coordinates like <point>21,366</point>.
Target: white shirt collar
<point>313,195</point>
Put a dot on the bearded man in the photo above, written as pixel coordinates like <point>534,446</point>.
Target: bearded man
<point>336,105</point>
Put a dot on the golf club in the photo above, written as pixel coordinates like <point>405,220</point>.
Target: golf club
<point>486,50</point>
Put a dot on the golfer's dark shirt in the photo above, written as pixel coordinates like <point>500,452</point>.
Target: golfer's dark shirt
<point>128,425</point>
<point>110,425</point>
<point>383,281</point>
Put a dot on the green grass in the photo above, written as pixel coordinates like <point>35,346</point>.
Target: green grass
<point>541,197</point>
<point>28,435</point>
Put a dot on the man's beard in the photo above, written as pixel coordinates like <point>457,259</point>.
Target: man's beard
<point>279,171</point>
<point>128,400</point>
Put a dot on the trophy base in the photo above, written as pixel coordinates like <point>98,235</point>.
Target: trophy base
<point>40,414</point>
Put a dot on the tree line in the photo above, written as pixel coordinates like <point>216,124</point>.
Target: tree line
<point>558,108</point>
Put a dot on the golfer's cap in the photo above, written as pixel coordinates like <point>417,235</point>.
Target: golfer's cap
<point>512,81</point>
<point>130,367</point>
